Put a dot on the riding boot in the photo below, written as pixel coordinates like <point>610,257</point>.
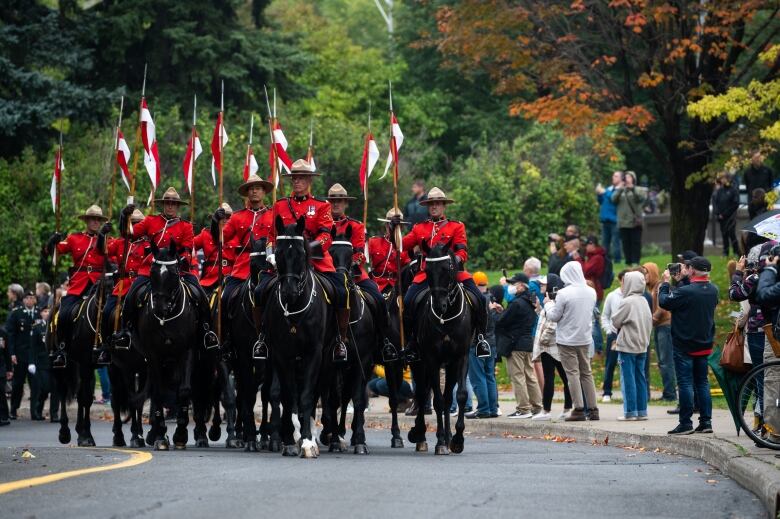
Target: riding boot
<point>411,353</point>
<point>59,357</point>
<point>120,340</point>
<point>389,352</point>
<point>340,349</point>
<point>482,347</point>
<point>260,348</point>
<point>210,339</point>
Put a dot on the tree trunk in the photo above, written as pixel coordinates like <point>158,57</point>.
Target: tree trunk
<point>690,206</point>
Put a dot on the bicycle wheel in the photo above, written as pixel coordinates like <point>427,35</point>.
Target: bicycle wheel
<point>759,410</point>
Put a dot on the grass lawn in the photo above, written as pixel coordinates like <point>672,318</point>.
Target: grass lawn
<point>723,323</point>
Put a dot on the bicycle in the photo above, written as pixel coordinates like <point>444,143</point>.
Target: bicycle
<point>754,407</point>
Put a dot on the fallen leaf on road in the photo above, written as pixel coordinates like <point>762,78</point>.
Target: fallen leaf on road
<point>27,455</point>
<point>712,481</point>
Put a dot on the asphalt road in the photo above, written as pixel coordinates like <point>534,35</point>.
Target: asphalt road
<point>494,477</point>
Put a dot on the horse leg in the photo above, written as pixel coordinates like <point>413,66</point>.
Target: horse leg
<point>85,397</point>
<point>62,390</point>
<point>183,397</point>
<point>394,377</point>
<point>438,407</point>
<point>358,418</point>
<point>229,403</point>
<point>417,433</point>
<point>157,435</point>
<point>456,443</point>
<point>248,409</point>
<point>136,427</point>
<point>308,400</point>
<point>265,391</point>
<point>275,443</point>
<point>290,427</point>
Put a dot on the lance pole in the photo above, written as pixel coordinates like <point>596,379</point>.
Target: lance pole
<point>398,234</point>
<point>57,212</point>
<point>116,150</point>
<point>220,274</point>
<point>127,233</point>
<point>192,160</point>
<point>274,173</point>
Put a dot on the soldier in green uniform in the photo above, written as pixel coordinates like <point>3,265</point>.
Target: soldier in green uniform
<point>19,327</point>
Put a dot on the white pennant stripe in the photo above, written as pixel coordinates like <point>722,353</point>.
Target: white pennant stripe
<point>125,149</point>
<point>399,140</point>
<point>279,138</point>
<point>373,156</point>
<point>53,192</point>
<point>253,167</point>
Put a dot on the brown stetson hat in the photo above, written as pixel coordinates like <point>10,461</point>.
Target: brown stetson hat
<point>255,180</point>
<point>302,167</point>
<point>436,195</point>
<point>171,195</point>
<point>337,192</point>
<point>93,211</point>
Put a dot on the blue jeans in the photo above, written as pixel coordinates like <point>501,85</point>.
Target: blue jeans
<point>482,375</point>
<point>598,338</point>
<point>633,383</point>
<point>469,397</point>
<point>610,240</point>
<point>665,352</point>
<point>755,342</point>
<point>692,378</point>
<point>609,365</point>
<point>378,386</point>
<point>105,384</point>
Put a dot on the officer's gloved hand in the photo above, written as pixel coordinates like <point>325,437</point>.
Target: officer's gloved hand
<point>128,209</point>
<point>271,259</point>
<point>54,239</point>
<point>395,221</point>
<point>107,228</point>
<point>220,214</point>
<point>31,369</point>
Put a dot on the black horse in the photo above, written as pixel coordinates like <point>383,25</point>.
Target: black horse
<point>250,373</point>
<point>77,378</point>
<point>444,327</point>
<point>299,321</point>
<point>345,382</point>
<point>166,333</point>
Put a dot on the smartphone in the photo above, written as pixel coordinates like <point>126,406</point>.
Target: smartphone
<point>674,268</point>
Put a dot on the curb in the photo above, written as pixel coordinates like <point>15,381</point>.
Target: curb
<point>759,477</point>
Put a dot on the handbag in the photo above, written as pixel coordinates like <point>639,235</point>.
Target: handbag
<point>732,357</point>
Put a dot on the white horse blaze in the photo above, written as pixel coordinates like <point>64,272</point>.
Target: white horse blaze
<point>296,427</point>
<point>313,427</point>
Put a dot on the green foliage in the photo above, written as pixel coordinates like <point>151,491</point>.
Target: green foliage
<point>513,194</point>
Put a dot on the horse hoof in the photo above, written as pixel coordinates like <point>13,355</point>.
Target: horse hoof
<point>250,446</point>
<point>162,445</point>
<point>456,446</point>
<point>201,443</point>
<point>309,449</point>
<point>290,450</point>
<point>360,448</point>
<point>214,433</point>
<point>442,450</point>
<point>274,445</point>
<point>137,442</point>
<point>233,443</point>
<point>119,441</point>
<point>180,446</point>
<point>421,447</point>
<point>86,441</point>
<point>335,447</point>
<point>397,443</point>
<point>263,446</point>
<point>64,436</point>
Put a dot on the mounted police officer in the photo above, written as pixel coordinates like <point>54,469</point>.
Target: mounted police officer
<point>163,228</point>
<point>19,326</point>
<point>383,255</point>
<point>319,223</point>
<point>87,249</point>
<point>437,230</point>
<point>209,272</point>
<point>339,201</point>
<point>255,221</point>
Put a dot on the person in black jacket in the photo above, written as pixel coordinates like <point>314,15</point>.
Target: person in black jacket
<point>19,326</point>
<point>693,332</point>
<point>725,205</point>
<point>767,295</point>
<point>757,175</point>
<point>514,340</point>
<point>6,374</point>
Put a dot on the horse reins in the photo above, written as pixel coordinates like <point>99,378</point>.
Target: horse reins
<point>183,290</point>
<point>441,319</point>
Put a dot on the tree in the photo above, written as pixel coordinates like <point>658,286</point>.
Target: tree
<point>589,66</point>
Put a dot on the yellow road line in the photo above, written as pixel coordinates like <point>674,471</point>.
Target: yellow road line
<point>136,458</point>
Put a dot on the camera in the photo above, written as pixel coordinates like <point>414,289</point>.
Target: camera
<point>775,251</point>
<point>674,268</point>
<point>751,265</point>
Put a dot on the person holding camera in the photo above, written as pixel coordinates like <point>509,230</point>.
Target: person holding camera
<point>693,331</point>
<point>724,205</point>
<point>768,297</point>
<point>610,237</point>
<point>629,199</point>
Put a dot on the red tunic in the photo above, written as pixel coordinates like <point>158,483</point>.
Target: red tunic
<point>318,224</point>
<point>435,233</point>
<point>162,230</point>
<point>88,262</point>
<point>209,274</point>
<point>383,261</point>
<point>236,231</point>
<point>135,258</point>
<point>358,243</point>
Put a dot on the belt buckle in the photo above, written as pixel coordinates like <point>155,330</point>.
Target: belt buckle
<point>89,269</point>
<point>224,263</point>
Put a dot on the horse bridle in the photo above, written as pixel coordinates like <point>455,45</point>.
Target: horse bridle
<point>174,295</point>
<point>300,280</point>
<point>453,290</point>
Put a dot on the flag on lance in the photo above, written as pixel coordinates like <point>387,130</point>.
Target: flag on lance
<point>216,150</point>
<point>123,157</point>
<point>250,164</point>
<point>396,141</point>
<point>280,143</point>
<point>149,139</point>
<point>194,149</point>
<point>370,158</point>
<point>55,178</point>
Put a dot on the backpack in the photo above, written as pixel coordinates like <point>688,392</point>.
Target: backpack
<point>608,276</point>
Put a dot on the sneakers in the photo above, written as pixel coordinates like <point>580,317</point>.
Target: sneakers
<point>676,410</point>
<point>471,414</point>
<point>577,415</point>
<point>680,430</point>
<point>605,399</point>
<point>642,418</point>
<point>704,427</point>
<point>542,416</point>
<point>627,418</point>
<point>520,415</point>
<point>564,414</point>
<point>498,412</point>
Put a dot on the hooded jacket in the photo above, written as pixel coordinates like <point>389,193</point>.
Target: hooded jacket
<point>629,204</point>
<point>515,326</point>
<point>633,318</point>
<point>573,310</point>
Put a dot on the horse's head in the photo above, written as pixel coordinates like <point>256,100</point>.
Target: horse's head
<point>292,258</point>
<point>257,258</point>
<point>341,250</point>
<point>440,269</point>
<point>164,273</point>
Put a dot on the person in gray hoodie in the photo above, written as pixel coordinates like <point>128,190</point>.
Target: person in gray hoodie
<point>573,311</point>
<point>634,323</point>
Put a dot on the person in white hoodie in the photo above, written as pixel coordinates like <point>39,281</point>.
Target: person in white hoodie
<point>634,322</point>
<point>573,311</point>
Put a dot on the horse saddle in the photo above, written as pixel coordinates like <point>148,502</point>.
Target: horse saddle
<point>328,290</point>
